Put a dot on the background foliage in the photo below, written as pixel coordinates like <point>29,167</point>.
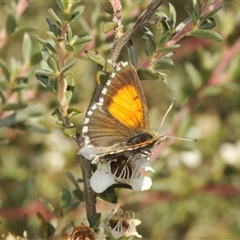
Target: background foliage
<point>195,192</point>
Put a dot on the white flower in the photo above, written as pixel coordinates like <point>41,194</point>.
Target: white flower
<point>122,224</point>
<point>123,169</point>
<point>230,153</point>
<point>191,159</point>
<point>88,152</point>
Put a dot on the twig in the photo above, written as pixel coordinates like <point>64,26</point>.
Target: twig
<point>90,196</point>
<point>183,32</point>
<point>22,5</point>
<point>140,23</point>
<point>218,75</point>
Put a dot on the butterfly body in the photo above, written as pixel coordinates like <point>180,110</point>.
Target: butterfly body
<point>118,121</point>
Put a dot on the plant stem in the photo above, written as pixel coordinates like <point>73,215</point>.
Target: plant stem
<point>90,196</point>
<point>140,23</point>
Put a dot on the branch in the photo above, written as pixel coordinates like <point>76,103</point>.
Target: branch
<point>90,196</point>
<point>140,23</point>
<point>188,27</point>
<point>183,32</point>
<point>219,76</point>
<point>21,6</point>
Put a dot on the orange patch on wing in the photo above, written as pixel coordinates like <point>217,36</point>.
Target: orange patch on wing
<point>127,108</point>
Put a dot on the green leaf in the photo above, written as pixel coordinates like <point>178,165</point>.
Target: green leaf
<point>55,17</point>
<point>57,114</point>
<point>72,111</point>
<point>65,16</point>
<point>78,194</point>
<point>77,11</point>
<point>108,27</point>
<point>53,28</point>
<point>169,48</point>
<point>208,24</point>
<point>51,35</point>
<point>75,4</point>
<point>5,70</point>
<point>20,86</point>
<point>24,29</point>
<point>52,64</point>
<point>48,206</point>
<point>61,4</point>
<point>94,220</point>
<point>197,8</point>
<point>101,77</point>
<point>70,63</point>
<point>206,34</point>
<point>165,38</point>
<point>43,72</point>
<point>70,132</point>
<point>147,74</point>
<point>34,129</point>
<point>45,53</point>
<point>69,34</point>
<point>191,14</point>
<point>173,16</point>
<point>2,96</point>
<point>9,121</point>
<point>45,43</point>
<point>109,11</point>
<point>96,56</point>
<point>43,225</point>
<point>132,53</point>
<point>69,80</point>
<point>109,195</point>
<point>26,48</point>
<point>72,179</point>
<point>38,39</point>
<point>204,18</point>
<point>164,77</point>
<point>36,58</point>
<point>48,83</point>
<point>49,46</point>
<point>69,48</point>
<point>164,63</point>
<point>14,106</point>
<point>51,230</point>
<point>194,75</point>
<point>163,18</point>
<point>11,24</point>
<point>151,44</point>
<point>82,40</point>
<point>73,206</point>
<point>211,91</point>
<point>65,198</point>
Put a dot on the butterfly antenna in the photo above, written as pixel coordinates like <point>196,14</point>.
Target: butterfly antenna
<point>162,138</point>
<point>177,138</point>
<point>164,117</point>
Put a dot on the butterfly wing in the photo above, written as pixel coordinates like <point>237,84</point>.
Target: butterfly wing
<point>119,114</point>
<point>125,100</point>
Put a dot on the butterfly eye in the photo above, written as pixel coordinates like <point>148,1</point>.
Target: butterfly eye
<point>141,138</point>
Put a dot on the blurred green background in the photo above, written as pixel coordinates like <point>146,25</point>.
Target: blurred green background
<point>196,186</point>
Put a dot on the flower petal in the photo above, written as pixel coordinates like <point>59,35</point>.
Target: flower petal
<point>101,180</point>
<point>88,152</point>
<point>146,166</point>
<point>141,184</point>
<point>116,234</point>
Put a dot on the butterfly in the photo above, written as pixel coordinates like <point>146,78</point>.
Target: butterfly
<point>118,119</point>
